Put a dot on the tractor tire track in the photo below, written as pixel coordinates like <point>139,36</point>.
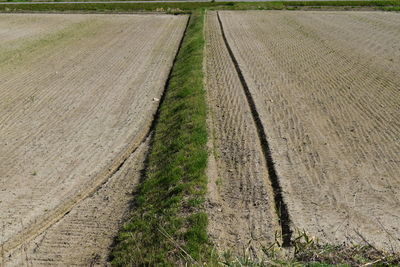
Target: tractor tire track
<point>280,205</point>
<point>240,199</point>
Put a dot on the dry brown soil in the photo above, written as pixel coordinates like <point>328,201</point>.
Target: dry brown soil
<point>15,29</point>
<point>240,205</point>
<point>85,235</point>
<point>326,87</point>
<point>77,98</point>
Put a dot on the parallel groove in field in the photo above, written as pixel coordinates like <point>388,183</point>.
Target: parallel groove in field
<point>281,208</point>
<point>55,132</point>
<point>240,201</point>
<point>328,83</point>
<point>83,237</point>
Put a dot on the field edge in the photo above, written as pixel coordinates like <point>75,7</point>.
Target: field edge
<point>187,7</point>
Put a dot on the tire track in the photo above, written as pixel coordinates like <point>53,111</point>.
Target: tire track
<point>240,205</point>
<point>281,207</point>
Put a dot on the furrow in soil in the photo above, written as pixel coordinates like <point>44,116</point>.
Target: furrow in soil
<point>326,87</point>
<point>240,200</point>
<point>84,236</point>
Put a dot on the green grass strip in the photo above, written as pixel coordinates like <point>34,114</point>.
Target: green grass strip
<point>368,3</point>
<point>168,225</point>
<point>185,7</point>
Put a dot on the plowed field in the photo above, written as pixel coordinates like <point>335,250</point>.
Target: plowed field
<point>325,86</point>
<point>77,97</point>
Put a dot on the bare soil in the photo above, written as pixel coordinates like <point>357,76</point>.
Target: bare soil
<point>75,103</point>
<point>240,200</point>
<point>85,235</point>
<point>15,31</point>
<point>326,87</point>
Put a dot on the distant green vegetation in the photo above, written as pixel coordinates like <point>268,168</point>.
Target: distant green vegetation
<point>342,3</point>
<point>185,7</point>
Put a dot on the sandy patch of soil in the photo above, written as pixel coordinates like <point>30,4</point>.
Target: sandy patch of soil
<point>326,86</point>
<point>74,105</point>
